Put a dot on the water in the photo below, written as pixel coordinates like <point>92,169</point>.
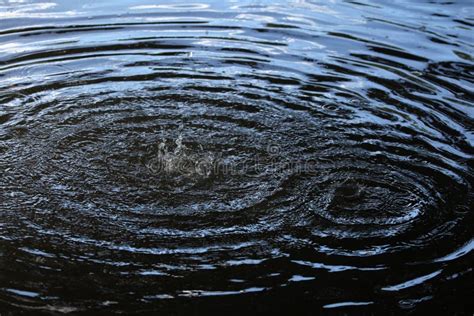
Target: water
<point>236,156</point>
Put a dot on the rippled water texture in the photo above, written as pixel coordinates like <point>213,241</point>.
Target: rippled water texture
<point>236,156</point>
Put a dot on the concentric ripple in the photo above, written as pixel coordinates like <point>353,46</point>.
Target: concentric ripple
<point>156,157</point>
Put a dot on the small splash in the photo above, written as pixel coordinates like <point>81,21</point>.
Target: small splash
<point>176,159</point>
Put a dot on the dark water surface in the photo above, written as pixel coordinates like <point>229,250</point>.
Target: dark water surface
<point>231,156</point>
